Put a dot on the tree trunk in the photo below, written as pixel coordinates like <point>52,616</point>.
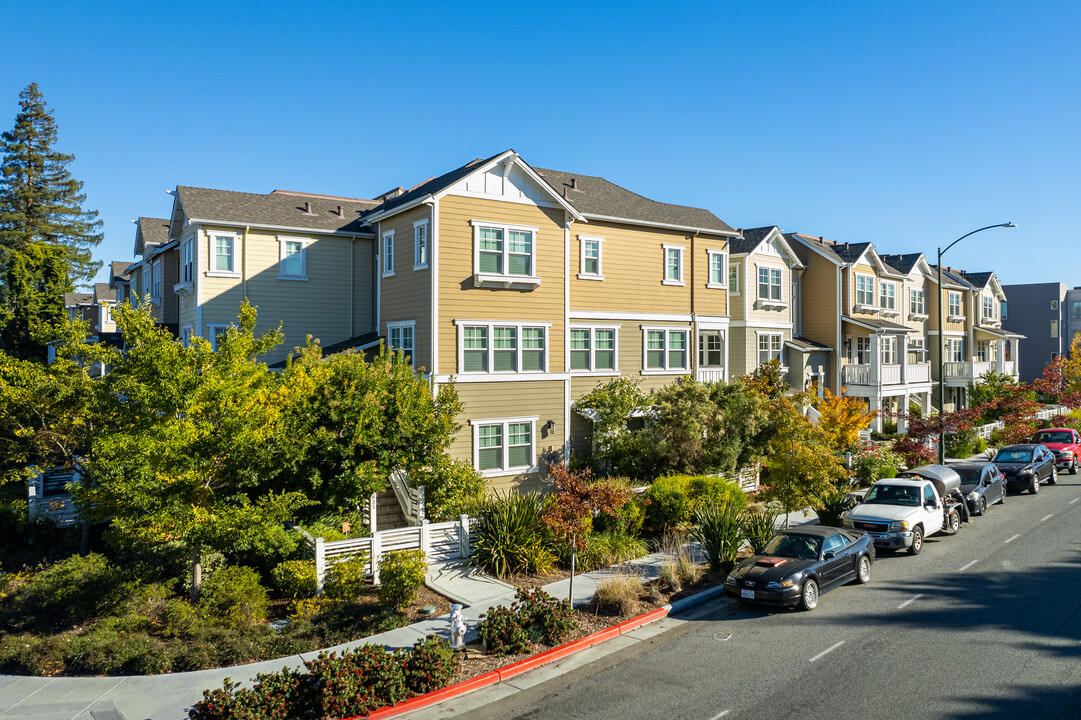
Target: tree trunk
<point>84,539</point>
<point>196,573</point>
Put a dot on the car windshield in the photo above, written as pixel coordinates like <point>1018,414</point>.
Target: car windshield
<point>969,476</point>
<point>804,547</point>
<point>1014,455</point>
<point>1054,437</point>
<point>893,495</point>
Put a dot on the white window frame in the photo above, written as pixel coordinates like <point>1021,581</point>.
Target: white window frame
<point>723,284</point>
<point>890,309</point>
<point>146,284</point>
<point>155,281</point>
<point>866,293</point>
<point>506,468</point>
<point>491,325</point>
<point>422,246</point>
<point>734,270</point>
<point>400,328</point>
<point>987,304</point>
<point>917,347</point>
<point>592,370</point>
<point>982,350</point>
<point>186,332</point>
<point>951,306</point>
<point>665,249</point>
<point>212,238</point>
<point>769,284</point>
<point>668,332</point>
<point>888,345</point>
<point>187,260</point>
<point>215,329</point>
<point>916,303</point>
<point>505,278</point>
<point>386,249</point>
<point>283,241</point>
<point>106,313</point>
<point>702,335</point>
<point>955,350</point>
<point>584,274</point>
<point>770,337</point>
<point>861,350</point>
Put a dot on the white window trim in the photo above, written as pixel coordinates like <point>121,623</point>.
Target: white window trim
<point>668,330</point>
<point>593,350</point>
<point>871,307</point>
<point>739,279</point>
<point>582,274</point>
<point>950,316</point>
<point>504,279</point>
<point>425,223</point>
<point>723,285</point>
<point>213,330</point>
<point>888,310</point>
<point>157,279</point>
<point>664,265</point>
<point>505,422</point>
<point>106,313</point>
<point>491,325</point>
<point>385,255</point>
<point>765,303</point>
<point>922,313</point>
<point>411,324</point>
<point>186,341</point>
<point>212,236</point>
<point>282,240</point>
<point>780,357</point>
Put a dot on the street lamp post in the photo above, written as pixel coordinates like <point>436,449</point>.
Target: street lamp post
<point>942,342</point>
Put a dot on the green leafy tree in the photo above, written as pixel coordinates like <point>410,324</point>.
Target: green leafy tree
<point>46,236</point>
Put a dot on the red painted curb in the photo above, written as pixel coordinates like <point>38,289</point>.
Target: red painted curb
<point>490,678</point>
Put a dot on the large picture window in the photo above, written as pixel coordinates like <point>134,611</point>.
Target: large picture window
<point>665,350</point>
<point>504,347</point>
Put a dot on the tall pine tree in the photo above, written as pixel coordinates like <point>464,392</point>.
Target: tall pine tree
<point>46,236</point>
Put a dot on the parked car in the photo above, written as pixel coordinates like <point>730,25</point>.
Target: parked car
<point>1064,444</point>
<point>982,484</point>
<point>798,564</point>
<point>1026,466</point>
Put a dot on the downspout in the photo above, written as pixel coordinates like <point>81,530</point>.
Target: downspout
<point>244,263</point>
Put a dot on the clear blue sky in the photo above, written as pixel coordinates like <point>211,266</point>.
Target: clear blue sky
<point>903,123</point>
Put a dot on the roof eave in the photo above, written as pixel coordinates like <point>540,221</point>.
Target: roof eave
<point>650,223</point>
<point>287,228</point>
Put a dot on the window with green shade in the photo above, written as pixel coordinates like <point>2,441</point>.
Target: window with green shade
<point>491,250</point>
<point>580,349</point>
<point>677,350</point>
<point>673,264</point>
<point>505,342</point>
<point>655,349</point>
<point>591,257</point>
<point>520,253</point>
<point>475,350</point>
<point>223,253</point>
<point>532,349</point>
<point>865,290</point>
<point>490,447</point>
<point>604,349</point>
<point>519,445</point>
<point>716,268</point>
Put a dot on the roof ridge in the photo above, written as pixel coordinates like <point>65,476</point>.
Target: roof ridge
<point>298,193</point>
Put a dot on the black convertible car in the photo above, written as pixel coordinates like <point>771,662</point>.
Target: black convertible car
<point>800,563</point>
<point>1026,466</point>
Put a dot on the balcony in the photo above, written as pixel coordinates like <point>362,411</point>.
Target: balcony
<point>891,375</point>
<point>856,374</point>
<point>919,372</point>
<point>853,374</point>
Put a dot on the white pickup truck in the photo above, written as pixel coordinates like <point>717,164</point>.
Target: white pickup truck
<point>902,511</point>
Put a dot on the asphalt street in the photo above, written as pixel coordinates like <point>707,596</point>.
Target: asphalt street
<point>984,624</point>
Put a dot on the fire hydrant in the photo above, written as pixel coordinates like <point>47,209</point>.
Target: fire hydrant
<point>457,627</point>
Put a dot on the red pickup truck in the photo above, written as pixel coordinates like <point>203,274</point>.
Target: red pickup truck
<point>1064,443</point>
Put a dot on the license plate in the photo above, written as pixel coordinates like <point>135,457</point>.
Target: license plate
<point>749,594</point>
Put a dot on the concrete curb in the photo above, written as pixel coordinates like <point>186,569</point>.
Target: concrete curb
<point>540,659</point>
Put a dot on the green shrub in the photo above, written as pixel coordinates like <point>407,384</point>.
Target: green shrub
<point>759,526</point>
<point>668,504</point>
<point>831,506</point>
<point>980,447</point>
<point>28,654</point>
<point>874,462</point>
<point>711,491</point>
<point>295,578</point>
<point>345,579</point>
<point>511,535</point>
<point>76,588</point>
<point>720,530</point>
<point>234,597</point>
<point>546,619</point>
<point>451,487</point>
<point>108,648</point>
<point>358,681</point>
<point>430,665</point>
<point>604,549</point>
<point>401,573</point>
<point>502,632</point>
<point>961,444</point>
<point>13,515</point>
<point>629,517</point>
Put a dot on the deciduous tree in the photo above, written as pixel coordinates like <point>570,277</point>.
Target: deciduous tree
<point>842,418</point>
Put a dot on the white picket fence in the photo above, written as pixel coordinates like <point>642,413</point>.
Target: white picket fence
<point>984,431</point>
<point>439,541</point>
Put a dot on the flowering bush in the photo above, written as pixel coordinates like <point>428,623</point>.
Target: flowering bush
<point>874,462</point>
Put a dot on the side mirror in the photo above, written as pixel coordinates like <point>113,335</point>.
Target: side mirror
<point>829,555</point>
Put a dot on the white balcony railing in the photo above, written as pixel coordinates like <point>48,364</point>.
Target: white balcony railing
<point>710,374</point>
<point>891,374</point>
<point>1009,367</point>
<point>979,367</point>
<point>919,372</point>
<point>854,374</point>
<point>955,369</point>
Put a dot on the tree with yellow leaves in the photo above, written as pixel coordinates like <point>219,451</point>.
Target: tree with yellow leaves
<point>842,419</point>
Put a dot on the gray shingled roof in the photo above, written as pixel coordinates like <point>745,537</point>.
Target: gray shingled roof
<point>838,252</point>
<point>599,197</point>
<point>435,184</point>
<point>978,279</point>
<point>102,291</point>
<point>119,268</point>
<point>72,299</point>
<point>902,263</point>
<point>155,231</point>
<point>750,240</point>
<point>950,275</point>
<point>277,208</point>
<point>807,345</point>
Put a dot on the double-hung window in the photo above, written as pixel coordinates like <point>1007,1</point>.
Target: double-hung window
<point>673,264</point>
<point>915,302</point>
<point>388,253</point>
<point>733,278</point>
<point>769,347</point>
<point>504,254</point>
<point>981,350</point>
<point>888,344</point>
<point>916,351</point>
<point>718,273</point>
<point>593,349</point>
<point>504,445</point>
<point>155,285</point>
<point>187,261</point>
<point>863,350</point>
<point>591,266</point>
<point>420,244</point>
<point>292,258</point>
<point>988,307</point>
<point>665,350</point>
<point>865,290</point>
<point>954,304</point>
<point>223,253</point>
<point>400,338</point>
<point>146,283</point>
<point>711,349</point>
<point>769,284</point>
<point>887,296</point>
<point>955,350</point>
<point>504,347</point>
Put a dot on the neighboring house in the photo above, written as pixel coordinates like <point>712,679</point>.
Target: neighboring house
<point>994,348</point>
<point>764,303</point>
<point>153,276</point>
<point>95,309</point>
<point>120,280</point>
<point>854,302</point>
<point>1038,311</point>
<point>78,306</point>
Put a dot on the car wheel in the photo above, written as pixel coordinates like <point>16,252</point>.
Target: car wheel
<point>983,506</point>
<point>1073,467</point>
<point>1034,486</point>
<point>917,541</point>
<point>954,521</point>
<point>1053,477</point>
<point>808,599</point>
<point>863,570</point>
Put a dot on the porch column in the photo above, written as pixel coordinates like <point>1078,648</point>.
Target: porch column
<point>902,419</point>
<point>902,348</point>
<point>877,400</point>
<point>876,359</point>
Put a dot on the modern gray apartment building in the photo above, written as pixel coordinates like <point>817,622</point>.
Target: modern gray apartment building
<point>1047,314</point>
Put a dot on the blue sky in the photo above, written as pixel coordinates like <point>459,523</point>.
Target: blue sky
<point>905,124</point>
